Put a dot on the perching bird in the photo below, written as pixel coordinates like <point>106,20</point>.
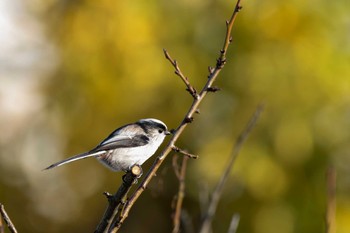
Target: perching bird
<point>129,145</point>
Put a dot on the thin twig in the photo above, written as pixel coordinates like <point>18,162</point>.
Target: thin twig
<point>179,73</point>
<point>203,197</point>
<point>114,201</point>
<point>331,200</point>
<point>180,195</point>
<point>187,119</point>
<point>228,38</point>
<point>7,219</point>
<point>178,150</point>
<point>206,223</point>
<point>234,224</point>
<point>176,167</point>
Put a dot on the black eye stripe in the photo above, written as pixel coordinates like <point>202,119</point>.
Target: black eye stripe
<point>151,124</point>
<point>162,127</point>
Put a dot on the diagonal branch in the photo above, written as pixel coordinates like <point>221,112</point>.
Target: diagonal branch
<point>178,150</point>
<point>214,72</point>
<point>114,201</point>
<point>179,73</point>
<point>234,224</point>
<point>7,220</point>
<point>206,223</point>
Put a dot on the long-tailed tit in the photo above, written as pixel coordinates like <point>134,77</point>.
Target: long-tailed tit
<point>129,145</point>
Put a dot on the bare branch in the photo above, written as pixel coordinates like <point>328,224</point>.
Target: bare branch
<point>178,150</point>
<point>176,166</point>
<point>187,119</point>
<point>179,73</point>
<point>204,198</point>
<point>180,195</point>
<point>331,200</point>
<point>206,223</point>
<point>228,38</point>
<point>114,201</point>
<point>7,220</point>
<point>234,224</point>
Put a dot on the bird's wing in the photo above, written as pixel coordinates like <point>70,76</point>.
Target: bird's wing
<point>130,135</point>
<point>121,141</point>
<point>123,137</point>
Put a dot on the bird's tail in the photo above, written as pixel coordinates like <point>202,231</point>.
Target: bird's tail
<point>75,158</point>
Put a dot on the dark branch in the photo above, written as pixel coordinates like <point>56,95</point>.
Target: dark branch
<point>7,220</point>
<point>114,201</point>
<point>179,73</point>
<point>179,130</point>
<point>178,150</point>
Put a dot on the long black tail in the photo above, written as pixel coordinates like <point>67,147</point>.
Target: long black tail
<point>75,158</point>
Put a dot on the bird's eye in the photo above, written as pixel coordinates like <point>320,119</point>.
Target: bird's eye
<point>160,131</point>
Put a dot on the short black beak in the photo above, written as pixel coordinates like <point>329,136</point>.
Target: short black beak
<point>166,132</point>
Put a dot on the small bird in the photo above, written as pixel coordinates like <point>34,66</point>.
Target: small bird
<point>129,145</point>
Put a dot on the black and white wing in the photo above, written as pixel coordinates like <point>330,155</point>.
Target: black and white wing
<point>131,135</point>
<point>127,136</point>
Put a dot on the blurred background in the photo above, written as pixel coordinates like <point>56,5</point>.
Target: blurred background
<point>73,71</point>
